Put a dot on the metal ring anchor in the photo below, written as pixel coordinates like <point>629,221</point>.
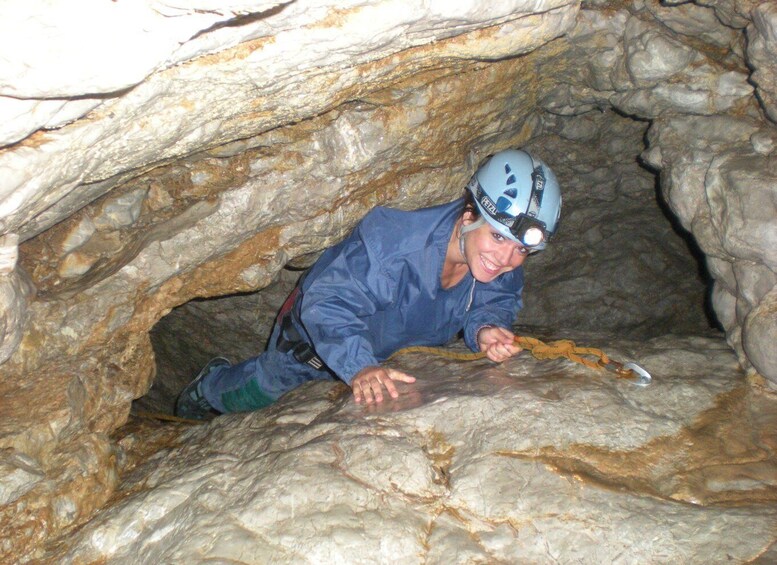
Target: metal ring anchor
<point>643,377</point>
<point>628,371</point>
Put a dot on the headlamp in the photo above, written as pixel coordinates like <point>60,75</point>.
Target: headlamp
<point>529,231</point>
<point>532,236</point>
<point>525,228</point>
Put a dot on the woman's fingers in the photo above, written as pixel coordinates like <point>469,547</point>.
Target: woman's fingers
<point>394,375</point>
<point>369,383</point>
<point>358,394</point>
<point>400,376</point>
<point>498,352</point>
<point>376,389</point>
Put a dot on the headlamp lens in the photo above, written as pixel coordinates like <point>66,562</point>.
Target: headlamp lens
<point>529,231</point>
<point>533,236</point>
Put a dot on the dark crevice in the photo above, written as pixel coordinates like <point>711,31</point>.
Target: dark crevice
<point>242,20</point>
<point>702,272</point>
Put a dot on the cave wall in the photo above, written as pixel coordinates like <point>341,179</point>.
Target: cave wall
<point>618,266</point>
<point>252,134</point>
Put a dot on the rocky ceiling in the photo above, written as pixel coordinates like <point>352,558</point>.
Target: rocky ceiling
<point>156,154</point>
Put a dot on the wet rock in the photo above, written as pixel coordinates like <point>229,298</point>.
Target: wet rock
<point>16,292</point>
<point>762,51</point>
<point>743,201</point>
<point>18,475</point>
<point>221,221</point>
<point>724,192</point>
<point>524,461</point>
<point>208,124</point>
<point>759,336</point>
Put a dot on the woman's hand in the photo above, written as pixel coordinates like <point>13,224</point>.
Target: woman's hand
<point>368,383</point>
<point>497,343</point>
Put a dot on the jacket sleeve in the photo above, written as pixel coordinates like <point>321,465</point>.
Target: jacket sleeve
<point>352,285</point>
<point>494,304</point>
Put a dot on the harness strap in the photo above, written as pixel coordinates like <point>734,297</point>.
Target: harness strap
<point>288,305</point>
<point>289,338</point>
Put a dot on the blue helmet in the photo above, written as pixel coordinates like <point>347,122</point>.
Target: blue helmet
<point>519,196</point>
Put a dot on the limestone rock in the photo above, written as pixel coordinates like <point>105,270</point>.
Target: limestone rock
<point>130,42</point>
<point>701,91</point>
<point>753,281</point>
<point>95,59</point>
<point>683,148</point>
<point>759,336</point>
<point>24,117</point>
<point>285,73</point>
<point>19,475</point>
<point>15,294</point>
<point>733,13</point>
<point>652,57</point>
<point>520,462</point>
<point>723,190</point>
<point>162,156</point>
<point>607,195</point>
<point>762,52</point>
<point>219,222</point>
<point>696,21</point>
<point>635,65</point>
<point>742,195</point>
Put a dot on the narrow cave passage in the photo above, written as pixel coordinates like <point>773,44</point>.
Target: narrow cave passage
<point>619,266</point>
<point>235,327</point>
<point>174,179</point>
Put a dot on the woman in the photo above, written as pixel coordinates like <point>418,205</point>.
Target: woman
<point>399,279</point>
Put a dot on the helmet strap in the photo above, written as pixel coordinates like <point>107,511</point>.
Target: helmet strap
<point>537,190</point>
<point>468,228</point>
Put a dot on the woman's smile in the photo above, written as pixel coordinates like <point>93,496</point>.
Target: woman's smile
<point>490,267</point>
<point>488,253</point>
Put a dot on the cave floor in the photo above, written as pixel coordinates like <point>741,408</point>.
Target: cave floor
<point>476,462</point>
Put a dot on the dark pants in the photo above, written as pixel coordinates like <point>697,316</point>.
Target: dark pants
<point>259,381</point>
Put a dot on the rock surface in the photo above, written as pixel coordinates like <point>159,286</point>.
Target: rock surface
<point>202,148</point>
<point>527,461</point>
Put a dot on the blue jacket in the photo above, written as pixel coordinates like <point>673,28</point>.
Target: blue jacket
<point>379,290</point>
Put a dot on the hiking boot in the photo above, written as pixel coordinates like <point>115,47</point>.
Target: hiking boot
<point>191,403</point>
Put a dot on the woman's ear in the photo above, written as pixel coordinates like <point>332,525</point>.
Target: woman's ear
<point>467,217</point>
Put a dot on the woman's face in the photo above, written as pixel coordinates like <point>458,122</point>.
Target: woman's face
<point>489,254</point>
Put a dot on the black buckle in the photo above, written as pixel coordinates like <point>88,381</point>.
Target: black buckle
<point>304,353</point>
<point>289,339</point>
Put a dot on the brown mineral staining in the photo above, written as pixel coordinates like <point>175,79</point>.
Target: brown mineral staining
<point>171,190</point>
<point>727,456</point>
<point>441,453</point>
<point>437,103</point>
<point>336,17</point>
<point>339,391</point>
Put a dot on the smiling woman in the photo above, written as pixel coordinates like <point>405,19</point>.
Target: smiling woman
<point>487,253</point>
<point>400,279</point>
<point>504,212</point>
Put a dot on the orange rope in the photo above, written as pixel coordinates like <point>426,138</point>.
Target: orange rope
<point>540,350</point>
